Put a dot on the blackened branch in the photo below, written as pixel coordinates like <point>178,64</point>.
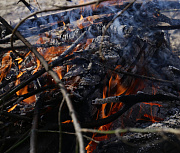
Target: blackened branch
<point>137,98</point>
<point>171,27</point>
<point>28,6</point>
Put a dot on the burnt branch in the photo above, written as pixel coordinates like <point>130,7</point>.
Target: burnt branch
<point>28,6</point>
<point>100,122</point>
<point>59,124</point>
<point>33,136</point>
<point>138,130</point>
<point>172,27</point>
<point>137,98</point>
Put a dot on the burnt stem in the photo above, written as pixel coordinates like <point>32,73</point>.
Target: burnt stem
<point>28,6</point>
<point>139,97</point>
<point>33,136</point>
<point>172,27</point>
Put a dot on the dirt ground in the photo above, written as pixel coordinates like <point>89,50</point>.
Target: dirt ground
<point>13,11</point>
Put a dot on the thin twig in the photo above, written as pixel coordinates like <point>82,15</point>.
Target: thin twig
<point>139,97</point>
<point>171,27</point>
<point>59,124</point>
<point>109,24</point>
<point>33,137</point>
<point>71,109</point>
<point>28,6</point>
<point>138,130</point>
<point>50,131</point>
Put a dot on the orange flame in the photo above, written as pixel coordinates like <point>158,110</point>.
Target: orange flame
<point>81,18</point>
<point>153,119</point>
<point>12,108</point>
<point>59,71</point>
<point>64,24</point>
<point>37,67</point>
<point>68,121</point>
<point>5,65</point>
<point>115,89</point>
<point>24,90</point>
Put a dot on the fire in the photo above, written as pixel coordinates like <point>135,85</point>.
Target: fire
<point>51,52</point>
<point>59,72</point>
<point>64,24</point>
<point>37,67</point>
<point>115,89</point>
<point>12,108</point>
<point>68,121</point>
<point>81,18</point>
<point>25,89</point>
<point>88,42</point>
<point>5,65</point>
<point>153,119</point>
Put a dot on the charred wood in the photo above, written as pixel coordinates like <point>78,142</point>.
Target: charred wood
<point>139,97</point>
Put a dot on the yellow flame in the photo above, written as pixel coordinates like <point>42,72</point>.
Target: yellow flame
<point>12,108</point>
<point>81,17</point>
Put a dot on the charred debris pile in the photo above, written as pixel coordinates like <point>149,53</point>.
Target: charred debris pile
<point>104,76</point>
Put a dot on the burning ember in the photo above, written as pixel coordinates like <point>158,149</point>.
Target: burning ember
<point>112,59</point>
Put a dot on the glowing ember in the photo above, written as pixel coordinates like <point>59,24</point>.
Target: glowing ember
<point>153,119</point>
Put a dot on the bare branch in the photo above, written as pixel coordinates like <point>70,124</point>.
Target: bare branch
<point>138,130</point>
<point>139,97</point>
